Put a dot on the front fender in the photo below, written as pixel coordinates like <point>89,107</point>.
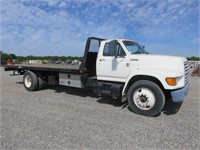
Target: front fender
<point>159,75</point>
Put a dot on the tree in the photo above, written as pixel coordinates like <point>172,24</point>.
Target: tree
<point>5,56</point>
<point>193,58</point>
<point>13,56</point>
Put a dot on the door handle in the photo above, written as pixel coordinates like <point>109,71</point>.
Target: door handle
<point>101,59</point>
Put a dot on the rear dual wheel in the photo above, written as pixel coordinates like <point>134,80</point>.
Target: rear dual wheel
<point>32,82</point>
<point>41,82</point>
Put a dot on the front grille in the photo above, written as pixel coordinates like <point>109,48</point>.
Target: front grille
<point>187,71</point>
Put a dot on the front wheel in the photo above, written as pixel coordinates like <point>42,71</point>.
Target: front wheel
<point>146,98</point>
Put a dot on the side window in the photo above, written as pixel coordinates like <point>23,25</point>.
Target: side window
<point>94,45</point>
<point>106,51</point>
<point>113,50</point>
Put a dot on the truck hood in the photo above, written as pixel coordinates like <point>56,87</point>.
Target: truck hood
<point>154,57</point>
<point>169,64</point>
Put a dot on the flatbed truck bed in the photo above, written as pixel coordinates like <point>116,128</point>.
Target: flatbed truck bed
<point>36,76</point>
<point>67,68</point>
<point>88,65</point>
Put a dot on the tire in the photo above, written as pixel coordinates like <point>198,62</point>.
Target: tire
<point>30,81</point>
<point>146,98</point>
<point>41,81</point>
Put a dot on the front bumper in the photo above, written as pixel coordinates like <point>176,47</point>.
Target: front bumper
<point>179,95</point>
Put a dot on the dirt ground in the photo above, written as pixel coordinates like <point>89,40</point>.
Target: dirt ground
<point>59,117</point>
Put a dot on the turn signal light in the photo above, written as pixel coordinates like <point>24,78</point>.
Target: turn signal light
<point>171,81</point>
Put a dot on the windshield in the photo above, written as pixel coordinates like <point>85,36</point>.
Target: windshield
<point>134,48</point>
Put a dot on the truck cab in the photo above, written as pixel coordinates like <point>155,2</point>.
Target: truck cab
<point>122,59</point>
<point>146,79</point>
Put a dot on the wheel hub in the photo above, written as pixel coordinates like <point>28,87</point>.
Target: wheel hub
<point>144,98</point>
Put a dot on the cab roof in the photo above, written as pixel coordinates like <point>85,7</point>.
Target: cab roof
<point>120,39</point>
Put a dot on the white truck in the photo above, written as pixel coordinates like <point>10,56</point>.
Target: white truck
<point>120,68</point>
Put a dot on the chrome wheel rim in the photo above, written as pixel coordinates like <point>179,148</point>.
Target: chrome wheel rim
<point>28,81</point>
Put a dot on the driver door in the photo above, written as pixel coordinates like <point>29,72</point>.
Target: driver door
<point>113,63</point>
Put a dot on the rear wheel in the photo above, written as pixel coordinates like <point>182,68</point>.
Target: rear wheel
<point>30,81</point>
<point>41,81</point>
<point>146,98</point>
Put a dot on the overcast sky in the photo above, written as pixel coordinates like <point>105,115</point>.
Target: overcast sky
<point>61,27</point>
